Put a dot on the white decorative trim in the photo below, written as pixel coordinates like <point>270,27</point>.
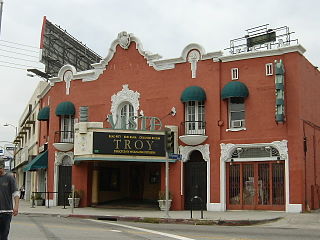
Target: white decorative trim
<point>185,151</point>
<point>294,208</point>
<point>59,156</point>
<point>193,58</point>
<point>124,40</point>
<point>125,95</point>
<point>282,147</point>
<point>226,153</point>
<point>235,129</point>
<point>216,207</point>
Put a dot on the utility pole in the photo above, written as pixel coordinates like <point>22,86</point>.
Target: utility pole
<point>1,6</point>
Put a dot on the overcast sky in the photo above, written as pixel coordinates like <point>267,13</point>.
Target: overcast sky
<point>164,27</point>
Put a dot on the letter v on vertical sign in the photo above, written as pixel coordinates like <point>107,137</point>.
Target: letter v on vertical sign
<point>110,120</point>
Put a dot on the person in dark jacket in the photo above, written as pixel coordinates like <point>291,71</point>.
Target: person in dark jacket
<point>8,191</point>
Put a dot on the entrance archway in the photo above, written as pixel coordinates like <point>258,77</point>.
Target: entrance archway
<point>195,179</point>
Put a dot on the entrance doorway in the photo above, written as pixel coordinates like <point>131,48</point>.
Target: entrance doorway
<point>136,182</point>
<point>65,180</point>
<point>256,185</point>
<point>195,181</point>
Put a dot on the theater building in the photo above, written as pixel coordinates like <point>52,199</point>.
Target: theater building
<point>245,125</point>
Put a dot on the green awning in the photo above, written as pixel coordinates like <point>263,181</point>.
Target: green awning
<point>193,93</point>
<point>39,162</point>
<point>234,89</point>
<point>44,114</point>
<point>65,108</point>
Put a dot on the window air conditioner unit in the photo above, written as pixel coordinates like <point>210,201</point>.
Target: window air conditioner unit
<point>237,123</point>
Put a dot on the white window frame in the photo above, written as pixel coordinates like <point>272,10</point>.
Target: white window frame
<point>236,124</point>
<point>195,113</point>
<point>269,69</point>
<point>67,124</point>
<point>234,73</point>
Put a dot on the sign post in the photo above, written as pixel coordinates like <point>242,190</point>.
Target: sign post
<point>167,186</point>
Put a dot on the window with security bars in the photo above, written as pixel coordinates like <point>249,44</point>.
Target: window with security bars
<point>195,117</point>
<point>258,183</point>
<point>67,128</point>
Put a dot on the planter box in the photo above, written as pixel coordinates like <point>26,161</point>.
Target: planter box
<point>38,202</point>
<point>76,202</point>
<point>162,204</point>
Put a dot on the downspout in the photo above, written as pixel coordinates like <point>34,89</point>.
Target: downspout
<point>315,127</point>
<point>220,124</point>
<point>305,166</point>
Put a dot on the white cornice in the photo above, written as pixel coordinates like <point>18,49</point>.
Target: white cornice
<point>124,40</point>
<point>265,53</point>
<point>44,91</point>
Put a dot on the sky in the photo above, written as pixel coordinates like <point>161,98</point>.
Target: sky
<point>164,27</point>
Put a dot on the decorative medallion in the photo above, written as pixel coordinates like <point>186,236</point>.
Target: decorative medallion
<point>124,40</point>
<point>67,77</point>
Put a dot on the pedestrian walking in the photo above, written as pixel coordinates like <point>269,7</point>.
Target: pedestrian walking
<point>22,192</point>
<point>8,191</point>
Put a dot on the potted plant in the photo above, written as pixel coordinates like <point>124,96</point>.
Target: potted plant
<point>162,200</point>
<point>76,200</point>
<point>37,199</point>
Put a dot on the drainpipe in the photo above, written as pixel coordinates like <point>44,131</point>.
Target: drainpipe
<point>305,165</point>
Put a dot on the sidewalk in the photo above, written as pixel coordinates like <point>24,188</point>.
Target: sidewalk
<point>156,216</point>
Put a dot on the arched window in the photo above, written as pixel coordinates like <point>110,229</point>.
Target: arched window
<point>125,113</point>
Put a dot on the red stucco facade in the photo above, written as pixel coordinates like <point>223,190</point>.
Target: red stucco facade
<point>160,90</point>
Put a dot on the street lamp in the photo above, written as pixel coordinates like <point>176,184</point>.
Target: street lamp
<point>8,124</point>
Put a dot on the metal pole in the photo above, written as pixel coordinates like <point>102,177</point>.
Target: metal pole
<point>32,198</point>
<point>64,197</point>
<point>167,186</point>
<point>1,7</point>
<point>72,199</point>
<point>48,199</point>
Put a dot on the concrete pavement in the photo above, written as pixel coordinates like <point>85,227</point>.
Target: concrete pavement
<point>270,218</point>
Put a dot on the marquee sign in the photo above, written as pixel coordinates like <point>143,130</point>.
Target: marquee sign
<point>134,144</point>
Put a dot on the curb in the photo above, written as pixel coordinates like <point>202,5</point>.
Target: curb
<point>162,220</point>
<point>178,220</point>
